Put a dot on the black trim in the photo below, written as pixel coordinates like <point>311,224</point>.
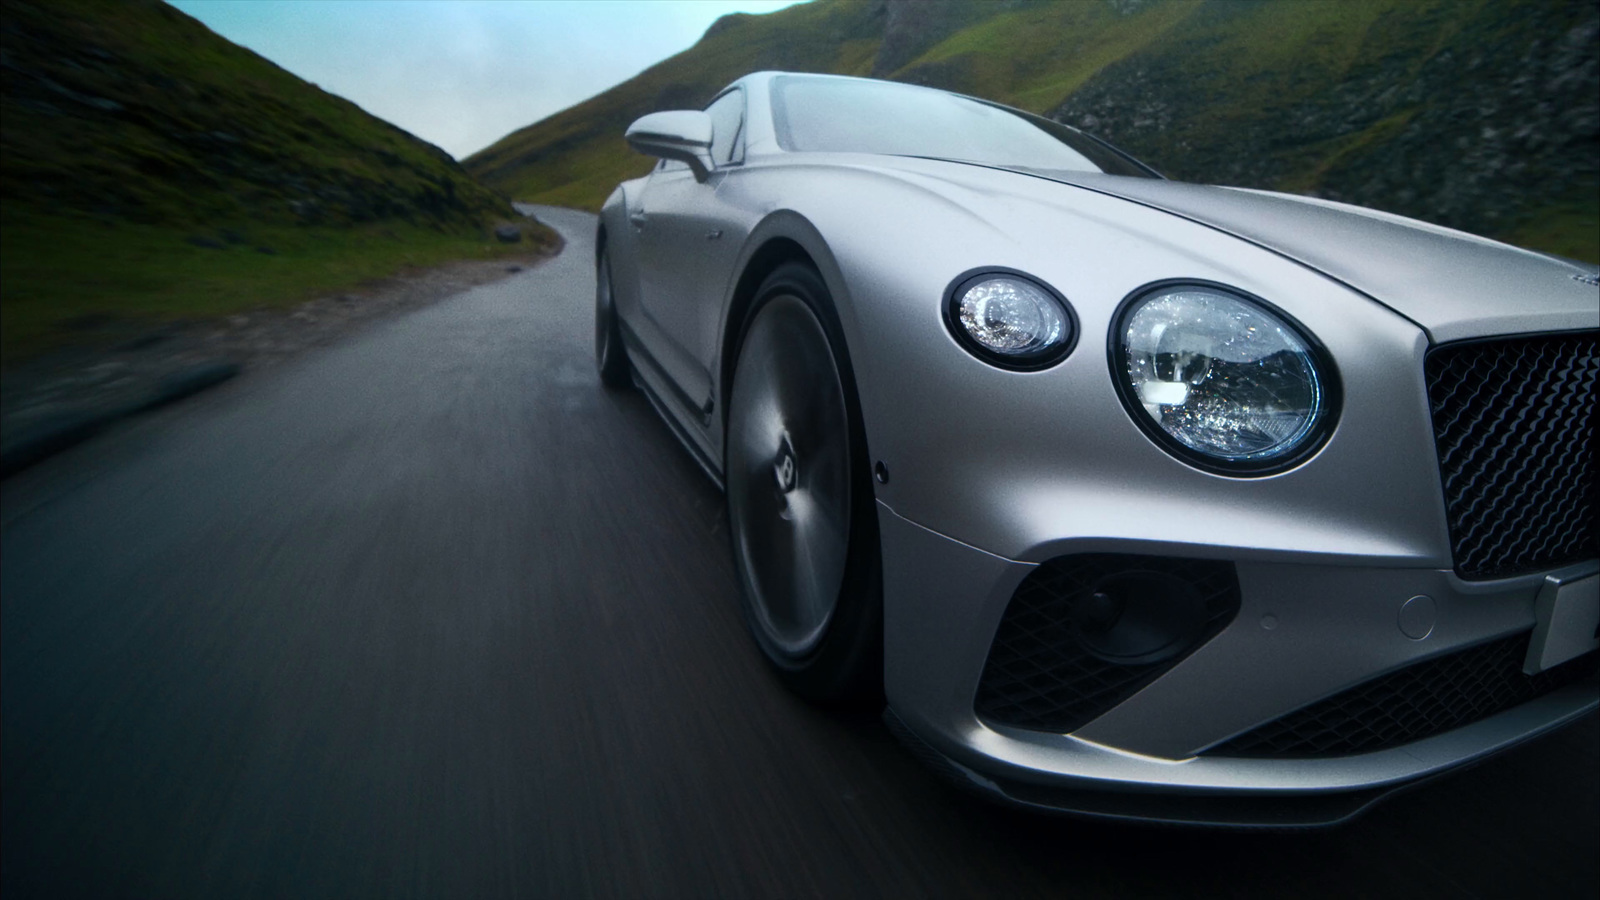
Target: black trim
<point>1511,336</point>
<point>673,423</point>
<point>1044,673</point>
<point>678,431</point>
<point>1032,363</point>
<point>736,157</point>
<point>1333,394</point>
<point>1110,147</point>
<point>637,348</point>
<point>1469,564</point>
<point>1415,701</point>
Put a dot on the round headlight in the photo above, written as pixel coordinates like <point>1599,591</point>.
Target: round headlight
<point>1010,320</point>
<point>1222,381</point>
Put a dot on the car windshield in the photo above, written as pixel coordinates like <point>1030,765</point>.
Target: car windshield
<point>858,116</point>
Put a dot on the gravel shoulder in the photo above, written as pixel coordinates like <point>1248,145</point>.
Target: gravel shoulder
<point>119,369</point>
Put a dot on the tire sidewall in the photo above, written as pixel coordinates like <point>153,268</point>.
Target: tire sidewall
<point>612,362</point>
<point>846,663</point>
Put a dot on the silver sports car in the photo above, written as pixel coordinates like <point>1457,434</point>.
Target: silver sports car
<point>1132,498</point>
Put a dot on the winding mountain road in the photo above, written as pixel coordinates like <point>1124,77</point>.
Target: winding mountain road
<point>430,613</point>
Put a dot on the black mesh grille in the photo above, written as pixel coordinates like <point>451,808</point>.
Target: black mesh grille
<point>1040,677</point>
<point>1418,701</point>
<point>1514,422</point>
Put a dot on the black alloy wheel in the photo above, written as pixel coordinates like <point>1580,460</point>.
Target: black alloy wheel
<point>800,498</point>
<point>610,356</point>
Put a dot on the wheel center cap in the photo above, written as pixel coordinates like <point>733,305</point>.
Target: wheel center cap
<point>785,469</point>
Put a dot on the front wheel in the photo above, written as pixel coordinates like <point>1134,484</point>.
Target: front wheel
<point>800,501</point>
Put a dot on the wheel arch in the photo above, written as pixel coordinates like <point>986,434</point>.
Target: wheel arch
<point>782,237</point>
<point>852,658</point>
<point>763,262</point>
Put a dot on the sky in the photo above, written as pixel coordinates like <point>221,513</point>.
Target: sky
<point>464,73</point>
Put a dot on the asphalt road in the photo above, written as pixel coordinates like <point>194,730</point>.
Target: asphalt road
<point>429,613</point>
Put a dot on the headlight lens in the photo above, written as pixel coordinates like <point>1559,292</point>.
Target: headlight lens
<point>1010,320</point>
<point>1220,378</point>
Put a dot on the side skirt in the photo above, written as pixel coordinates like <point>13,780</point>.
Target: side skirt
<point>636,355</point>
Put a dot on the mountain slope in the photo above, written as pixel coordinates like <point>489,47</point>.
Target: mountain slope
<point>575,157</point>
<point>1478,114</point>
<point>153,169</point>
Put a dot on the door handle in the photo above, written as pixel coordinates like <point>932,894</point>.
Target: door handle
<point>638,219</point>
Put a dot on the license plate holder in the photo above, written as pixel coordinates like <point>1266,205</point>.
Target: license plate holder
<point>1567,616</point>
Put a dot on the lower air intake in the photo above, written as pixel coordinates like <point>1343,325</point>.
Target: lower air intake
<point>1083,633</point>
<point>1418,701</point>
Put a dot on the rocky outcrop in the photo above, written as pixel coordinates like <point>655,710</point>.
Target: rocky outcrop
<point>1479,115</point>
<point>1501,121</point>
<point>910,27</point>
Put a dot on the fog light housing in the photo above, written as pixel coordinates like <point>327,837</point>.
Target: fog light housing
<point>1009,319</point>
<point>1086,631</point>
<point>1134,618</point>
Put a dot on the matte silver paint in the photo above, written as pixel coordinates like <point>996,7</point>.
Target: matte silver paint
<point>996,470</point>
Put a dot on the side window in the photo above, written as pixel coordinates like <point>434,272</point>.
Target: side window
<point>727,118</point>
<point>672,165</point>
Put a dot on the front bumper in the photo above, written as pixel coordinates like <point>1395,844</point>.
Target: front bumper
<point>1331,627</point>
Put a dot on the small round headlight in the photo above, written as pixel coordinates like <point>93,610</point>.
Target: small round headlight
<point>1222,381</point>
<point>1010,320</point>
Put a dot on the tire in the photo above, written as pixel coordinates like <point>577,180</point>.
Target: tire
<point>610,356</point>
<point>801,509</point>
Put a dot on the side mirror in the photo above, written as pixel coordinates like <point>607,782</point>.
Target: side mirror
<point>681,134</point>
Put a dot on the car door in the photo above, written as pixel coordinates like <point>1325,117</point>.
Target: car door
<point>686,254</point>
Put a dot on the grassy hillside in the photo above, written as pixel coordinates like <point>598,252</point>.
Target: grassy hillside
<point>576,157</point>
<point>1479,114</point>
<point>151,169</point>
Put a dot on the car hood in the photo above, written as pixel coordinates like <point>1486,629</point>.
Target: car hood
<point>1453,284</point>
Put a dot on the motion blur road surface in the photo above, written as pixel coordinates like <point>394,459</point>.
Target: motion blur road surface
<point>430,613</point>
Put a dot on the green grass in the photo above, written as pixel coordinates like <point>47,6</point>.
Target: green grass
<point>65,271</point>
<point>132,108</point>
<point>1035,57</point>
<point>1333,97</point>
<point>1320,158</point>
<point>584,180</point>
<point>577,157</point>
<point>128,128</point>
<point>1571,230</point>
<point>855,57</point>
